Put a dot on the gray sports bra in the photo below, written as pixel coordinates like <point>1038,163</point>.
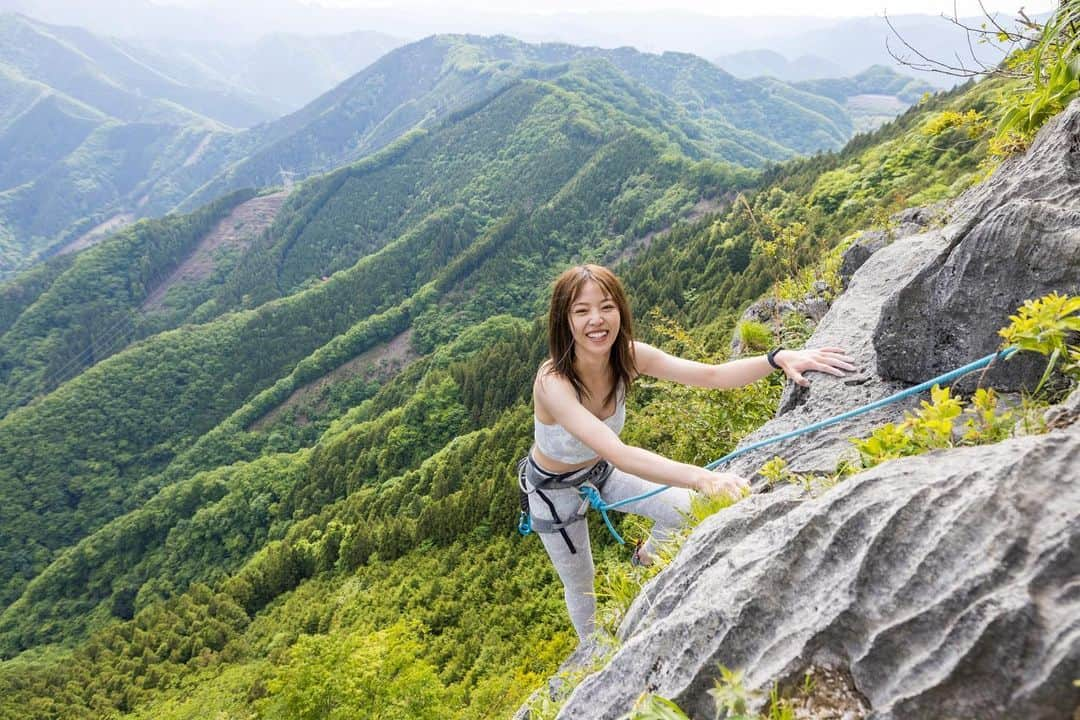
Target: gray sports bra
<point>558,444</point>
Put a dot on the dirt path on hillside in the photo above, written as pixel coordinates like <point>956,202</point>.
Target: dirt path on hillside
<point>379,363</point>
<point>239,228</point>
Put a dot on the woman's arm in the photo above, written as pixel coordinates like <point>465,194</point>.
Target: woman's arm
<point>558,397</point>
<point>736,373</point>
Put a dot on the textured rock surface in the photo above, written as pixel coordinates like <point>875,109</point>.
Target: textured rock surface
<point>1015,237</point>
<point>865,245</point>
<point>910,221</point>
<point>768,311</point>
<point>947,585</point>
<point>849,323</point>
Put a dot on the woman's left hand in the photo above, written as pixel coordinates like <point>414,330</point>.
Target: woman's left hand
<point>831,360</point>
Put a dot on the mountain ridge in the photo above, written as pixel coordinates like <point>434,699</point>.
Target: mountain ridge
<point>417,86</point>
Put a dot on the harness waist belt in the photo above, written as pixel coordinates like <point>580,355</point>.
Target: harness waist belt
<point>529,473</point>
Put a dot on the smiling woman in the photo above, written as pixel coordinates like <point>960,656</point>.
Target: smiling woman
<point>579,401</point>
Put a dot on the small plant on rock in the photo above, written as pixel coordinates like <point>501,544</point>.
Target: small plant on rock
<point>755,336</point>
<point>1048,326</point>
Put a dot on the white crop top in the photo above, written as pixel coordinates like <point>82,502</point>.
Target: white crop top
<point>558,444</point>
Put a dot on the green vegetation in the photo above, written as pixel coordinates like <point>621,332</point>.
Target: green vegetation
<point>171,556</point>
<point>1052,66</point>
<point>733,700</point>
<point>874,80</point>
<point>933,426</point>
<point>1044,326</point>
<point>945,421</point>
<point>111,154</point>
<point>1047,326</point>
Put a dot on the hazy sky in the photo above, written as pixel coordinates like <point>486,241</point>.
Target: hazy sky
<point>831,8</point>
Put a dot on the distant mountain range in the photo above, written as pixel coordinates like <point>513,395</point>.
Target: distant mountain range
<point>837,46</point>
<point>756,63</point>
<point>285,71</point>
<point>94,144</point>
<point>856,43</point>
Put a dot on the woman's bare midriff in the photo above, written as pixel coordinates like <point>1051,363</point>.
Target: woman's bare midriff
<point>558,467</point>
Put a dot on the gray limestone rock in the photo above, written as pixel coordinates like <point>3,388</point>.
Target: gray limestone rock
<point>768,311</point>
<point>945,585</point>
<point>849,324</point>
<point>1015,237</point>
<point>860,250</point>
<point>910,221</point>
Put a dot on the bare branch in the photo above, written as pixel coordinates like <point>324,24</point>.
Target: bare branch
<point>1014,37</point>
<point>960,69</point>
<point>1028,22</point>
<point>909,46</point>
<point>929,65</point>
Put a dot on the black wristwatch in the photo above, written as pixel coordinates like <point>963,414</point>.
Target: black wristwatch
<point>771,357</point>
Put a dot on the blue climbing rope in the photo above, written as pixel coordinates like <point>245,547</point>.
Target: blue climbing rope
<point>598,503</point>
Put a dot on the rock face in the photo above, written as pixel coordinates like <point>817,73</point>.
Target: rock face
<point>868,243</point>
<point>1013,238</point>
<point>911,221</point>
<point>767,310</point>
<point>946,585</point>
<point>940,586</point>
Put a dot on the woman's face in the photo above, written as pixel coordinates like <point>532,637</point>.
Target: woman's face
<point>594,320</point>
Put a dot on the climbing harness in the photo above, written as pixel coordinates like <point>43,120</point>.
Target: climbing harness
<point>590,479</point>
<point>590,493</point>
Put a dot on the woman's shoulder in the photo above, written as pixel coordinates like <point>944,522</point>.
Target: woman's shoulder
<point>546,374</point>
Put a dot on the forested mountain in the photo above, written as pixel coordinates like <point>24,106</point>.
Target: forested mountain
<point>102,73</point>
<point>873,96</point>
<point>123,171</point>
<point>224,505</point>
<point>874,80</point>
<point>755,63</point>
<point>436,233</point>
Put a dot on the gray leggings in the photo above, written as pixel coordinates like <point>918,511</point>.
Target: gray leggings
<point>576,568</point>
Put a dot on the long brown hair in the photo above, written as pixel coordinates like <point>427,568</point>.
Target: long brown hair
<point>561,340</point>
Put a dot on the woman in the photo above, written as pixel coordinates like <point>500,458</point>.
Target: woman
<point>579,399</point>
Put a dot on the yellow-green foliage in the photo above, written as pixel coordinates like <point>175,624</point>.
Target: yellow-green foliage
<point>655,707</point>
<point>935,161</point>
<point>934,426</point>
<point>733,699</point>
<point>971,122</point>
<point>341,676</point>
<point>1048,326</point>
<point>776,471</point>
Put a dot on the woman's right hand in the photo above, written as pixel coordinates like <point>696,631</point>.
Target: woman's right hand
<point>718,483</point>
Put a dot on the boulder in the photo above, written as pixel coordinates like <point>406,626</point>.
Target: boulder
<point>941,586</point>
<point>866,244</point>
<point>769,311</point>
<point>1013,238</point>
<point>910,221</point>
<point>849,324</point>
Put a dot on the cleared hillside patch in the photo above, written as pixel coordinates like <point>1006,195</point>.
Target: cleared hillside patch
<point>379,363</point>
<point>97,233</point>
<point>237,229</point>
